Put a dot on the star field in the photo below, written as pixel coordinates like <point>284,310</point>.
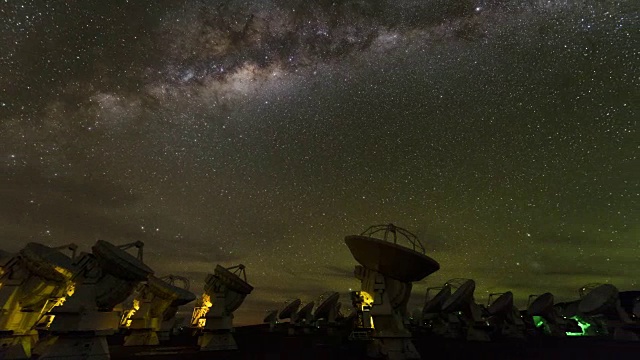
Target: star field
<point>502,133</point>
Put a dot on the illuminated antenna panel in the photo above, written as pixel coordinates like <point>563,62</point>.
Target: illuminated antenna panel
<point>227,288</point>
<point>32,283</point>
<point>103,279</point>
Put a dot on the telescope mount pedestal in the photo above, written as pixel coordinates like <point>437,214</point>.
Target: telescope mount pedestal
<point>79,328</point>
<point>16,341</point>
<point>391,340</point>
<point>216,333</point>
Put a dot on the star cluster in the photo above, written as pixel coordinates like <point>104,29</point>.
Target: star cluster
<point>503,133</point>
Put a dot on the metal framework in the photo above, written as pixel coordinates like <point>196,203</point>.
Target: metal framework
<point>171,279</point>
<point>391,233</point>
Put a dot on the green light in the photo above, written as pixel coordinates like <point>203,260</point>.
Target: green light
<point>583,325</point>
<point>540,322</point>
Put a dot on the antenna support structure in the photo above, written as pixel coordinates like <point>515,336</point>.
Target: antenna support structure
<point>386,272</point>
<point>224,292</point>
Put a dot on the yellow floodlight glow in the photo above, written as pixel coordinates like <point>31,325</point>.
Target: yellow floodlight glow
<point>199,312</point>
<point>71,288</point>
<point>367,299</point>
<point>65,272</point>
<point>128,314</point>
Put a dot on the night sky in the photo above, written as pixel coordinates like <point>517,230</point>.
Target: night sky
<point>503,133</point>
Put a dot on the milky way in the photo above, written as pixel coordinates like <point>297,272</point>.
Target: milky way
<point>503,133</point>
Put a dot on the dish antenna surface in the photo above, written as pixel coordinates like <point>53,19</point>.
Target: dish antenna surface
<point>461,297</point>
<point>169,320</point>
<point>290,309</point>
<point>388,257</point>
<point>303,319</point>
<point>271,317</point>
<point>599,299</point>
<point>542,305</point>
<point>434,305</point>
<point>103,279</point>
<point>505,317</point>
<point>152,300</point>
<point>461,305</point>
<point>387,270</point>
<point>227,288</point>
<point>304,314</point>
<point>503,304</point>
<point>184,295</point>
<point>32,282</point>
<point>584,290</point>
<point>604,301</point>
<point>115,261</point>
<point>547,317</point>
<point>326,308</point>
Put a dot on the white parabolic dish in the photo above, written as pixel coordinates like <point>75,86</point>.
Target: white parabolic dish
<point>327,303</point>
<point>232,281</point>
<point>541,305</point>
<point>292,307</point>
<point>599,299</point>
<point>271,316</point>
<point>237,289</point>
<point>463,295</point>
<point>503,303</point>
<point>306,310</point>
<point>47,263</point>
<point>164,290</point>
<point>120,263</point>
<point>393,260</point>
<point>435,304</point>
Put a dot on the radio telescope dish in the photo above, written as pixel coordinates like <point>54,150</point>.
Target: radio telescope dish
<point>463,295</point>
<point>163,288</point>
<point>502,304</point>
<point>599,299</point>
<point>542,305</point>
<point>124,271</point>
<point>239,287</point>
<point>32,282</point>
<point>226,290</point>
<point>390,258</point>
<point>605,300</point>
<point>290,309</point>
<point>587,288</point>
<point>47,263</point>
<point>272,317</point>
<point>327,303</point>
<point>155,304</point>
<point>184,295</point>
<point>119,263</point>
<point>102,280</point>
<point>386,273</point>
<point>305,312</point>
<point>434,305</point>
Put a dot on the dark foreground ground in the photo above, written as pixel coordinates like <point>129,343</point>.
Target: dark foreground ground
<point>257,343</point>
